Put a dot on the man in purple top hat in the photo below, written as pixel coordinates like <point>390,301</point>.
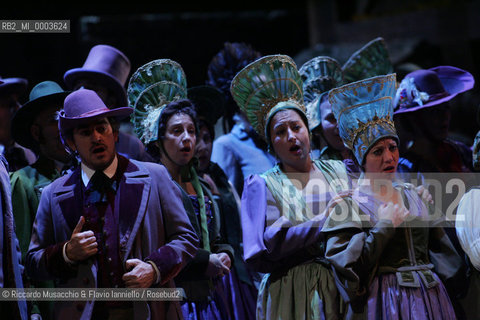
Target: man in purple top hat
<point>10,91</point>
<point>422,109</point>
<point>113,222</point>
<point>105,71</point>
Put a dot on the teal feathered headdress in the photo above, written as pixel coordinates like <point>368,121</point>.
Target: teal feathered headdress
<point>364,112</point>
<point>319,75</point>
<point>150,89</point>
<point>266,86</point>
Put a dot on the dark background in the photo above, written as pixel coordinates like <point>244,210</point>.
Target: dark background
<point>425,32</point>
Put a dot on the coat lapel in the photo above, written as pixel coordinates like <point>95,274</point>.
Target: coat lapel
<point>70,200</point>
<point>131,204</point>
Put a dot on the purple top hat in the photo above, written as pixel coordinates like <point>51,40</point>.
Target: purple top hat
<point>107,65</point>
<point>83,106</point>
<point>427,88</point>
<point>10,85</point>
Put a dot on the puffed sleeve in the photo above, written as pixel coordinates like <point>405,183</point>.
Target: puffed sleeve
<point>354,251</point>
<point>270,240</point>
<point>467,225</point>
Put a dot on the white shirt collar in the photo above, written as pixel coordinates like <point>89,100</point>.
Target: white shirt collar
<point>87,173</point>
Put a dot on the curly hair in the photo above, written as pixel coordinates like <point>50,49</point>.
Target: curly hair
<point>184,106</point>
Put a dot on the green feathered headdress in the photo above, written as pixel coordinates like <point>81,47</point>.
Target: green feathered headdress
<point>370,61</point>
<point>266,86</point>
<point>150,89</point>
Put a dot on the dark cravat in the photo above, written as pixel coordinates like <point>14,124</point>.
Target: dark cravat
<point>98,187</point>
